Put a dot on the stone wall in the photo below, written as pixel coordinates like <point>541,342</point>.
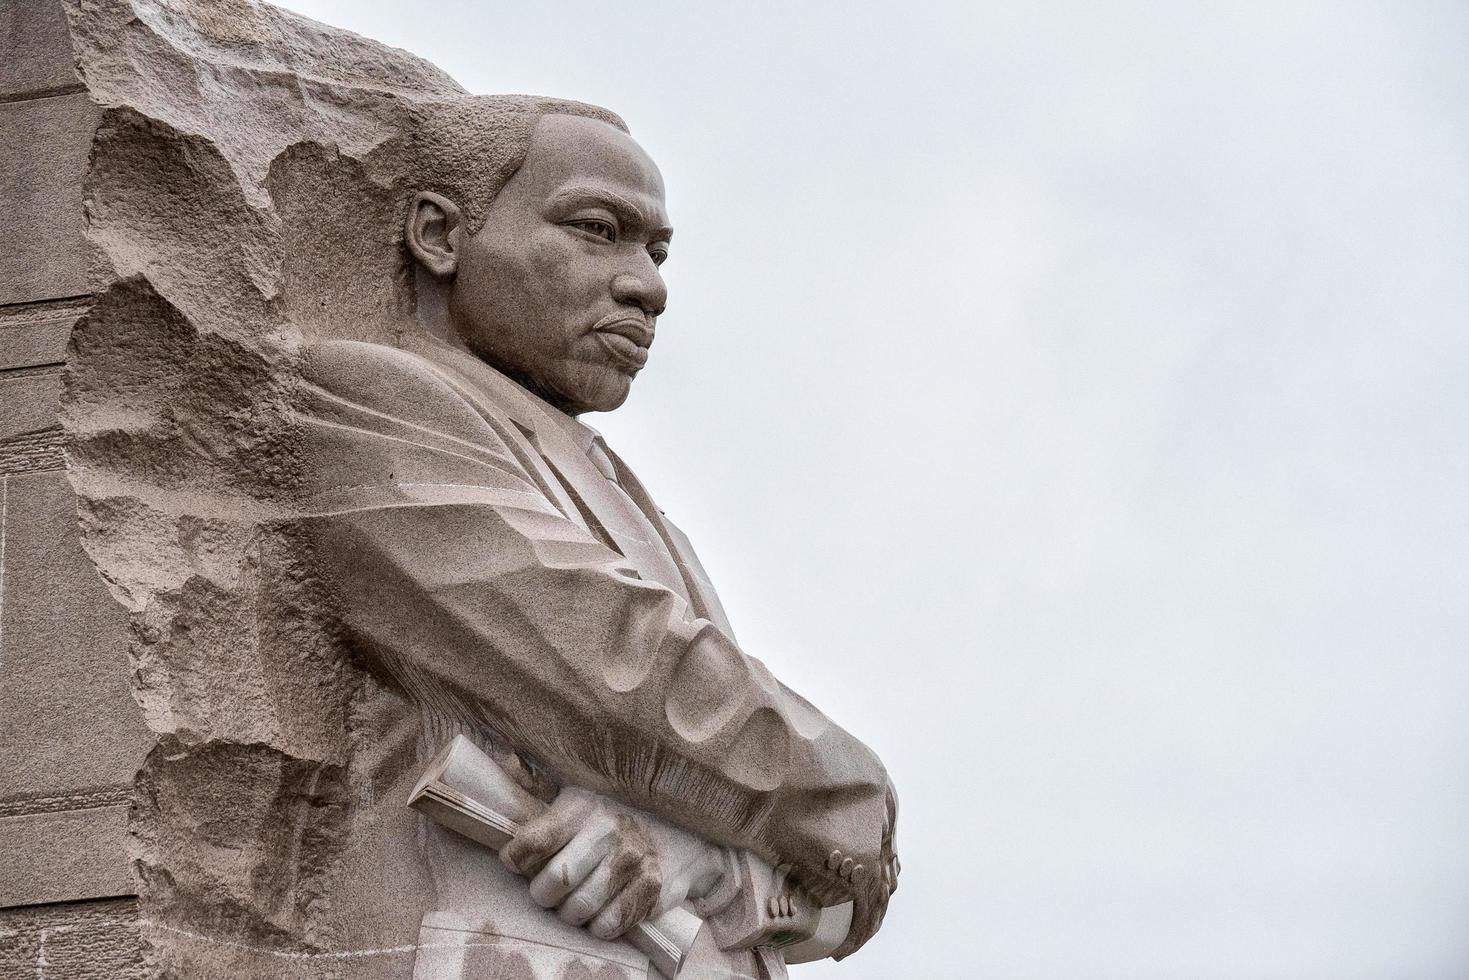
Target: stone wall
<point>71,736</point>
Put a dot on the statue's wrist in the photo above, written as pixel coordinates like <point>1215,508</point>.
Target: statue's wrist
<point>718,881</point>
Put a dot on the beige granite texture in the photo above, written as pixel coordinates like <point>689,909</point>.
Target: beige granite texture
<point>95,940</point>
<point>322,426</point>
<point>43,155</point>
<point>35,334</point>
<point>71,735</point>
<point>44,857</point>
<point>35,48</point>
<point>64,671</point>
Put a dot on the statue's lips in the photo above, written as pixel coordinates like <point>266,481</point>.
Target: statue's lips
<point>626,338</point>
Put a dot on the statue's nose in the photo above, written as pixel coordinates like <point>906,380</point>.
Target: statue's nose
<point>648,294</point>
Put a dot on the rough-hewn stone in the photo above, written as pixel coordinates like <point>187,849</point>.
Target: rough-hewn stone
<point>224,125</point>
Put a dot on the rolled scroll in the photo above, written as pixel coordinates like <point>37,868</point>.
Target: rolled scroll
<point>466,791</point>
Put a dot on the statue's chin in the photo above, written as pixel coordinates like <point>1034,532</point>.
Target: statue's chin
<point>603,402</point>
<point>589,388</point>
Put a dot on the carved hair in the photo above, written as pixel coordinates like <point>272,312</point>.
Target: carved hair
<point>467,149</point>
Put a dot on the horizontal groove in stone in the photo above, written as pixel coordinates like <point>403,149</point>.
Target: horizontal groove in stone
<point>35,334</point>
<point>33,452</point>
<point>32,370</point>
<point>44,309</point>
<point>50,367</point>
<point>89,800</point>
<point>43,93</point>
<point>82,940</point>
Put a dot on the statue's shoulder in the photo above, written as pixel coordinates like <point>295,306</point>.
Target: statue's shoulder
<point>383,379</point>
<point>355,364</point>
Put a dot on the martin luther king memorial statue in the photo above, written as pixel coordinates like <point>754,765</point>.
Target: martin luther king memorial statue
<point>431,686</point>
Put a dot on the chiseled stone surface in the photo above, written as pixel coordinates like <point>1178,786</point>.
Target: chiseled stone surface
<point>34,48</point>
<point>43,155</point>
<point>228,179</point>
<point>322,425</point>
<point>452,953</point>
<point>95,940</point>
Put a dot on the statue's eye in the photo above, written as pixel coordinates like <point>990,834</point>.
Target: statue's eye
<point>659,254</point>
<point>592,226</point>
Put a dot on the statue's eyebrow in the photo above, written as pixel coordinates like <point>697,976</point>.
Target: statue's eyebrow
<point>604,197</point>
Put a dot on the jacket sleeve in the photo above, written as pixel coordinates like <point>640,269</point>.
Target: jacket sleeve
<point>457,578</point>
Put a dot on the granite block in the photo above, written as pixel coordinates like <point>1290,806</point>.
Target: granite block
<point>68,722</point>
<point>29,401</point>
<point>72,941</point>
<point>35,48</point>
<point>64,856</point>
<point>44,144</point>
<point>30,435</point>
<point>35,334</point>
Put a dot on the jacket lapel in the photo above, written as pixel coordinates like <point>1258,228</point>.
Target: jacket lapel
<point>499,400</point>
<point>563,467</point>
<point>701,591</point>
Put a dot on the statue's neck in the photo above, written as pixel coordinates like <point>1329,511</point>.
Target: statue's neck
<point>431,309</point>
<point>437,326</point>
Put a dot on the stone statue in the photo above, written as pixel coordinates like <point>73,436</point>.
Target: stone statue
<point>325,424</point>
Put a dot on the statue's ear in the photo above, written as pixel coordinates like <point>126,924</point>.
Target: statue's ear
<point>434,232</point>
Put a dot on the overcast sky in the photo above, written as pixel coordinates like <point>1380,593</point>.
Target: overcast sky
<point>1073,401</point>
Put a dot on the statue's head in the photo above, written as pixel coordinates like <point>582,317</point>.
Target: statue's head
<point>539,231</point>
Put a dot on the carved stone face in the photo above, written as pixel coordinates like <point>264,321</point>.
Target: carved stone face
<point>560,286</point>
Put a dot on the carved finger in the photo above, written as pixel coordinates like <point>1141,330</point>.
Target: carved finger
<point>634,904</point>
<point>867,916</point>
<point>570,866</point>
<point>590,897</point>
<point>538,840</point>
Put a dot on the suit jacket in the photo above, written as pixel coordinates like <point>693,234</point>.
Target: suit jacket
<point>497,579</point>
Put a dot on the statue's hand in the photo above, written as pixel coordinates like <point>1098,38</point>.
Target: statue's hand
<point>608,867</point>
<point>870,901</point>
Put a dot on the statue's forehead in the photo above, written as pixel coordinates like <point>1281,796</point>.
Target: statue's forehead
<point>568,149</point>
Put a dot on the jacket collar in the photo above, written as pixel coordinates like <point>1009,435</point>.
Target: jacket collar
<point>550,430</point>
<point>533,414</point>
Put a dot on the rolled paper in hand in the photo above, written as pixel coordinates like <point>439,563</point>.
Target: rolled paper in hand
<point>466,791</point>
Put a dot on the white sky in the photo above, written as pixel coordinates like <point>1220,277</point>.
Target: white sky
<point>1073,401</point>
